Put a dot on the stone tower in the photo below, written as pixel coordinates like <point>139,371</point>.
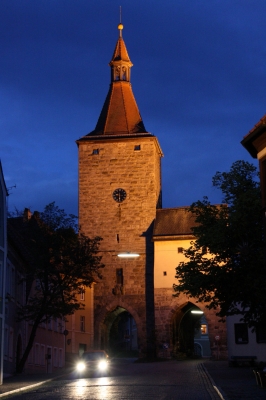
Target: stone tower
<point>119,192</point>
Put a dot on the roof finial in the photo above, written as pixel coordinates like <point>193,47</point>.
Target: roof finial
<point>120,26</point>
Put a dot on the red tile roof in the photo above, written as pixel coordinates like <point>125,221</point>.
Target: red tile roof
<point>173,222</point>
<point>120,115</point>
<point>253,134</point>
<point>120,52</point>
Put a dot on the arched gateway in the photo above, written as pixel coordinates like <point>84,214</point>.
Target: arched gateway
<point>117,329</point>
<point>120,201</point>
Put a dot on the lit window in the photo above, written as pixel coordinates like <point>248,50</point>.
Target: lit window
<point>203,329</point>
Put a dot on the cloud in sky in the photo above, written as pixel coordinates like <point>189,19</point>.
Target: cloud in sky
<point>198,78</point>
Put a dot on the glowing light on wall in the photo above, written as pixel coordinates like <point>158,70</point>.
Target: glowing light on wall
<point>128,255</point>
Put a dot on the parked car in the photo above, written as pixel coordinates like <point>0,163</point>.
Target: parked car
<point>94,361</point>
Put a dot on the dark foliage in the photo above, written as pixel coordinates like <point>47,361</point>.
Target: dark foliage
<point>63,261</point>
<point>226,262</point>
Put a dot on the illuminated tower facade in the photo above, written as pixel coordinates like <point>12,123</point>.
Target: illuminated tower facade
<point>119,192</point>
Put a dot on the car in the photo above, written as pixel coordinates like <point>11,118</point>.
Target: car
<point>94,361</point>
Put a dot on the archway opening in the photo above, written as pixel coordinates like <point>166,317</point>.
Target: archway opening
<point>121,336</point>
<point>190,333</point>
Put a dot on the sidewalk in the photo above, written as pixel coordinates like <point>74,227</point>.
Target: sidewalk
<point>234,382</point>
<point>231,383</point>
<point>21,382</point>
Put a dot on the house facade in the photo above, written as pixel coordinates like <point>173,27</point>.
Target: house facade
<point>242,339</point>
<point>79,327</point>
<point>48,350</point>
<point>3,259</point>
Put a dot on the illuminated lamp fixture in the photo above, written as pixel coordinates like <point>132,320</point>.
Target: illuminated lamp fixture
<point>197,312</point>
<point>128,255</point>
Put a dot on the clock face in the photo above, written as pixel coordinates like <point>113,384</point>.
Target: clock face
<point>119,195</point>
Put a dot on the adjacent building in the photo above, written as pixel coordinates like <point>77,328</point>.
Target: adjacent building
<point>3,258</point>
<point>242,339</point>
<point>48,350</point>
<point>79,327</point>
<point>183,326</point>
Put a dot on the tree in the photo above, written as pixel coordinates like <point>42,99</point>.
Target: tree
<point>226,261</point>
<point>62,262</point>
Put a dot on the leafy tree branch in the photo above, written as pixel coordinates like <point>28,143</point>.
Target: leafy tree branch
<point>225,264</point>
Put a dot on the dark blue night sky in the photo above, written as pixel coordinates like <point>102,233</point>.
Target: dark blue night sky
<point>199,79</point>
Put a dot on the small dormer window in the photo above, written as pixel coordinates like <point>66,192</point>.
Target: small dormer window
<point>95,151</point>
<point>137,147</point>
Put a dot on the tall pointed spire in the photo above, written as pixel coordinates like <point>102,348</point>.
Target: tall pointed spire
<point>120,115</point>
<point>120,63</point>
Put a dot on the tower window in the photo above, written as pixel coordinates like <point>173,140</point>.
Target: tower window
<point>137,147</point>
<point>180,249</point>
<point>164,273</point>
<point>117,237</point>
<point>119,276</point>
<point>95,151</point>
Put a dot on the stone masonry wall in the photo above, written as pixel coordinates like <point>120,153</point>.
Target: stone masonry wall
<point>166,306</point>
<point>124,226</point>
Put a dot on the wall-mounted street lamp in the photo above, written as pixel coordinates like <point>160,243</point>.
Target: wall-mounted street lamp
<point>128,255</point>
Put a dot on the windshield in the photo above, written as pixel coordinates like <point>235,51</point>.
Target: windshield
<point>93,356</point>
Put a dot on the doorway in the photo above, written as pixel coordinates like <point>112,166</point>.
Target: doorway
<point>190,333</point>
<point>120,336</point>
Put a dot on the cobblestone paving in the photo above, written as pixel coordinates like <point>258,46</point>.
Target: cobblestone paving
<point>192,380</point>
<point>158,381</point>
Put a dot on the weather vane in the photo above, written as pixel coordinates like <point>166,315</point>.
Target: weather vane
<point>120,26</point>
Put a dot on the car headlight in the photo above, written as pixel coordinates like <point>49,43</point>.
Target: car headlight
<point>81,366</point>
<point>103,365</point>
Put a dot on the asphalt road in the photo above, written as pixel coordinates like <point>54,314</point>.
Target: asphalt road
<point>129,380</point>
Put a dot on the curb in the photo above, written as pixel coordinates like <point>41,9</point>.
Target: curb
<point>218,390</point>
